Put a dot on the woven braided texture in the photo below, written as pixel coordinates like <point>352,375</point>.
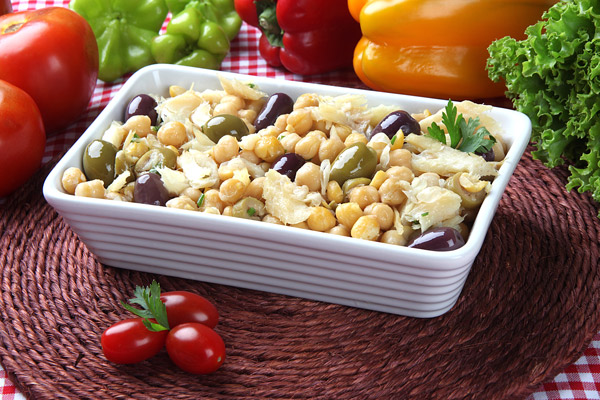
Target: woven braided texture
<point>528,309</point>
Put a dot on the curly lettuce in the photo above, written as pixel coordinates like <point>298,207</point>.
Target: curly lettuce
<point>553,76</point>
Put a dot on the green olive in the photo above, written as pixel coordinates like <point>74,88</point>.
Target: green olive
<point>225,124</point>
<point>153,158</point>
<point>123,164</point>
<point>469,200</point>
<point>99,161</point>
<point>356,161</point>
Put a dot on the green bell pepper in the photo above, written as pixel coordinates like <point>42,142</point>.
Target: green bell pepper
<point>124,30</point>
<point>191,39</point>
<point>221,12</point>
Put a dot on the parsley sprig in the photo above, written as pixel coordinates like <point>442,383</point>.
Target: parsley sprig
<point>152,307</point>
<point>465,135</point>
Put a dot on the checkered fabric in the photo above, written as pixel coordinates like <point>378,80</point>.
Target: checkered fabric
<point>579,381</point>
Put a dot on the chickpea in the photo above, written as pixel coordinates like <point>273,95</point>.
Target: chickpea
<point>270,131</point>
<point>299,121</point>
<point>182,203</point>
<point>175,90</point>
<point>255,188</point>
<point>391,192</point>
<point>212,199</point>
<point>364,196</point>
<point>330,148</point>
<point>339,230</point>
<point>172,133</point>
<point>228,211</point>
<point>231,190</point>
<point>247,115</point>
<point>348,213</point>
<point>310,175</point>
<point>289,140</point>
<point>226,149</point>
<point>341,131</point>
<point>71,178</point>
<point>366,228</point>
<point>321,219</point>
<point>229,104</point>
<point>383,212</point>
<point>140,124</point>
<point>192,193</point>
<point>334,192</point>
<point>93,189</point>
<point>281,122</point>
<point>268,148</point>
<point>355,137</point>
<point>306,100</point>
<point>249,155</point>
<point>301,225</point>
<point>308,146</point>
<point>378,179</point>
<point>393,237</point>
<point>400,158</point>
<point>401,173</point>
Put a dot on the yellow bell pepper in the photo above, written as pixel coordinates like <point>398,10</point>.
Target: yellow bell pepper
<point>436,48</point>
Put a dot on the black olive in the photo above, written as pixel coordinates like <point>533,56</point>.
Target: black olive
<point>149,189</point>
<point>288,164</point>
<point>439,239</point>
<point>142,104</point>
<point>278,104</point>
<point>395,121</point>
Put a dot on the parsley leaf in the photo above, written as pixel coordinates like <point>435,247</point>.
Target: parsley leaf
<point>152,307</point>
<point>465,135</point>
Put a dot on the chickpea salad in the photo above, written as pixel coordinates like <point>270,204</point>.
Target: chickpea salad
<point>326,163</point>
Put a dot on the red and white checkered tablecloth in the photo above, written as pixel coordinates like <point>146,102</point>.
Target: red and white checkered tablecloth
<point>579,381</point>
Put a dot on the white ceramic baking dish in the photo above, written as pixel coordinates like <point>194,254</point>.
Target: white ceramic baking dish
<point>268,257</point>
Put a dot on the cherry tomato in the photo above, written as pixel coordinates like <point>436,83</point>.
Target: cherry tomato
<point>185,307</point>
<point>129,342</point>
<point>52,54</point>
<point>195,348</point>
<point>22,137</point>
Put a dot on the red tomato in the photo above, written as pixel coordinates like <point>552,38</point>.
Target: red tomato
<point>22,137</point>
<point>130,342</point>
<point>195,348</point>
<point>52,54</point>
<point>185,307</point>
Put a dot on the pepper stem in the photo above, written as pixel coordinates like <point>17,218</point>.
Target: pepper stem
<point>267,20</point>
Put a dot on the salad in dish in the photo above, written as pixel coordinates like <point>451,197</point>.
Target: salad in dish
<point>326,163</point>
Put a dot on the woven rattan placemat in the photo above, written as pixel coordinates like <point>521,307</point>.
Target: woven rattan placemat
<point>528,309</point>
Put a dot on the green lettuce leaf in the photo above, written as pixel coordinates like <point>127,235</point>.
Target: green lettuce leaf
<point>553,76</point>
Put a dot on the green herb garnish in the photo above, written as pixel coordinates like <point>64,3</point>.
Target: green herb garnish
<point>200,200</point>
<point>465,135</point>
<point>251,211</point>
<point>135,138</point>
<point>394,138</point>
<point>152,307</point>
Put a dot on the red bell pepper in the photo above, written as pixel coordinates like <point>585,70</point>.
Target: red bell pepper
<point>304,36</point>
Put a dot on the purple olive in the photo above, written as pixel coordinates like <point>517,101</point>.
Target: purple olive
<point>439,239</point>
<point>288,164</point>
<point>278,104</point>
<point>149,189</point>
<point>395,121</point>
<point>142,104</point>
